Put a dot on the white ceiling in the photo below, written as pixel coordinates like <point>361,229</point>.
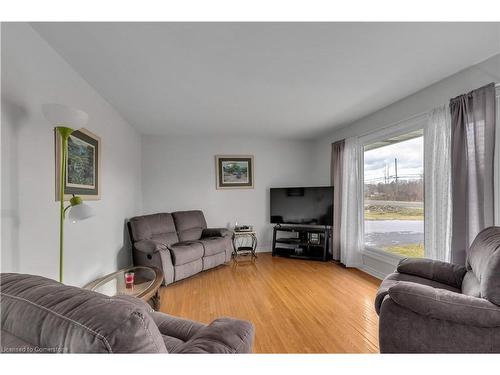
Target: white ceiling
<point>293,80</point>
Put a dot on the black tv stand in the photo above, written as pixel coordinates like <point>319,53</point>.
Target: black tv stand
<point>301,242</point>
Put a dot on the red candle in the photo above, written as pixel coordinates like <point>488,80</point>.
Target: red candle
<point>129,280</point>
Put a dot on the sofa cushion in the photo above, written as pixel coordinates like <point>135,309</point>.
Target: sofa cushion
<point>483,259</point>
<point>186,252</point>
<point>393,278</point>
<point>48,314</point>
<point>442,304</point>
<point>471,285</point>
<point>166,239</point>
<point>214,245</point>
<point>189,224</point>
<point>151,226</point>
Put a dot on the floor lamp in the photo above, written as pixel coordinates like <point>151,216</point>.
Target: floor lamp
<point>62,117</point>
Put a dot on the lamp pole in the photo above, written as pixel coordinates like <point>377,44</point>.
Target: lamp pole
<point>64,133</point>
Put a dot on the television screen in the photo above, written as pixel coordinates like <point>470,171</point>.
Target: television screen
<point>302,205</point>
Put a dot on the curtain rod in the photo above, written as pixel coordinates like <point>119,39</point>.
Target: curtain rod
<point>414,117</point>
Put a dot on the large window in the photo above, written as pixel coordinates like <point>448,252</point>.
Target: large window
<point>394,194</point>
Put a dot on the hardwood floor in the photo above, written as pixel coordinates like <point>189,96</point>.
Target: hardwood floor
<point>297,306</point>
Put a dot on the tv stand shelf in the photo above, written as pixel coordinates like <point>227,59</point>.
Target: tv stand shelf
<point>308,243</point>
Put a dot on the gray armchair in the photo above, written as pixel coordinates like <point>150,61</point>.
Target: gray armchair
<point>40,315</point>
<point>429,306</point>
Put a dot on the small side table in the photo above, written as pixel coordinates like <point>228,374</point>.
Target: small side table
<point>147,283</point>
<point>244,243</point>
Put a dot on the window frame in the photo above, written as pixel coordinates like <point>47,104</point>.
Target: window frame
<point>407,126</point>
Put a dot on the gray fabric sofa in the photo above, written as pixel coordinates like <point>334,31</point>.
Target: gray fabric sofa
<point>40,315</point>
<point>178,243</point>
<point>436,307</point>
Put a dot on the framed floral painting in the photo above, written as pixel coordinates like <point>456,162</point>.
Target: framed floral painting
<point>234,171</point>
<point>83,170</point>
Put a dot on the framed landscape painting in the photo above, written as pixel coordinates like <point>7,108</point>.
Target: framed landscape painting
<point>234,171</point>
<point>83,175</point>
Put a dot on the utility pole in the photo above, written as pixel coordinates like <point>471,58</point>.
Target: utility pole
<point>396,176</point>
<point>396,168</point>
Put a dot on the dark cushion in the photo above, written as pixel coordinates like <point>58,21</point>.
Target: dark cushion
<point>216,232</point>
<point>185,252</point>
<point>48,314</point>
<point>443,272</point>
<point>160,226</point>
<point>189,224</point>
<point>443,304</point>
<point>393,278</point>
<point>214,245</point>
<point>483,259</point>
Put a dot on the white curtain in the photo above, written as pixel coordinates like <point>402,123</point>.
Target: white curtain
<point>437,170</point>
<point>351,221</point>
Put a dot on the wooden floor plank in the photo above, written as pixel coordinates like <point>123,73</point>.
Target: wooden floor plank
<point>297,306</point>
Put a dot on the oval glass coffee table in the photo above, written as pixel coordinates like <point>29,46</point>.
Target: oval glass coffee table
<point>147,282</point>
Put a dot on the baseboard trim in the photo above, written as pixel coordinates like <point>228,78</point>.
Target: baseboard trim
<point>373,272</point>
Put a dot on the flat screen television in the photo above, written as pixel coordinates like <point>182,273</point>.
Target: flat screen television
<point>302,205</point>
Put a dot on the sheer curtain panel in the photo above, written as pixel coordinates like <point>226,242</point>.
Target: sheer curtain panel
<point>437,181</point>
<point>351,216</point>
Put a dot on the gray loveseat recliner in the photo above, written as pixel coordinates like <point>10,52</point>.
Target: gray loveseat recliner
<point>40,315</point>
<point>179,243</point>
<point>430,306</point>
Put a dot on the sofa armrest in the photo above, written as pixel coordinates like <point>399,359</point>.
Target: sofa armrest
<point>216,232</point>
<point>224,335</point>
<point>446,273</point>
<point>183,329</point>
<point>445,305</point>
<point>149,246</point>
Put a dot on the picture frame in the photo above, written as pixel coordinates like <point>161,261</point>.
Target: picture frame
<point>83,170</point>
<point>234,171</point>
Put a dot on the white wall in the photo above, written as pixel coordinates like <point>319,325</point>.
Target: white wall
<point>420,102</point>
<point>33,74</point>
<point>179,174</point>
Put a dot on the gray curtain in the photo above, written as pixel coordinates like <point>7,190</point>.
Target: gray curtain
<point>336,181</point>
<point>472,158</point>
